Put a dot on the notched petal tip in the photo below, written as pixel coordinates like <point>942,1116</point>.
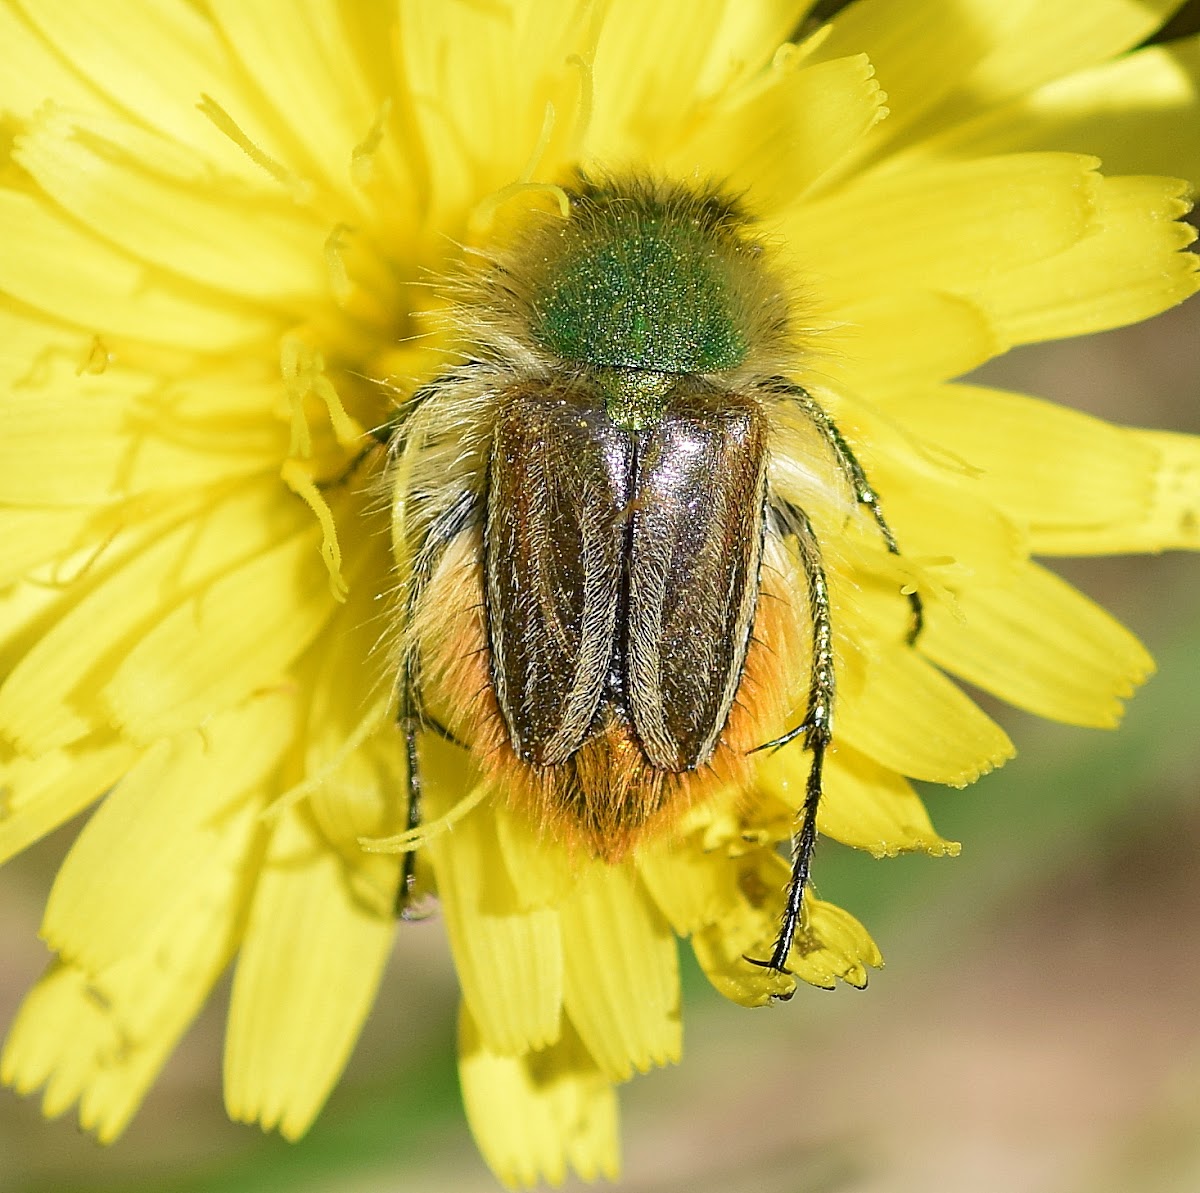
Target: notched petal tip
<point>538,1114</point>
<point>833,947</point>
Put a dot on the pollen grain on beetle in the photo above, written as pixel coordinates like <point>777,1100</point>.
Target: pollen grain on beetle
<point>467,458</point>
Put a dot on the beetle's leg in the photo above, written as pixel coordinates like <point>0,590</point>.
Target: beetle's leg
<point>391,432</point>
<point>856,477</point>
<point>817,727</point>
<point>410,717</point>
<point>409,721</point>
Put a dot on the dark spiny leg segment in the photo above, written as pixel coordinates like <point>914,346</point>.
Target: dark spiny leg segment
<point>856,477</point>
<point>410,723</point>
<point>817,728</point>
<point>409,715</point>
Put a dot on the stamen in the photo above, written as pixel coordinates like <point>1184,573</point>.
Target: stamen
<point>303,369</point>
<point>335,264</point>
<point>417,838</point>
<point>300,190</point>
<point>583,111</point>
<point>297,478</point>
<point>362,156</point>
<point>484,214</point>
<point>376,718</point>
<point>543,141</point>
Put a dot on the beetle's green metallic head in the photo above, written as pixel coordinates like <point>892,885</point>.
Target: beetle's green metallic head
<point>643,283</point>
<point>647,277</point>
<point>641,286</point>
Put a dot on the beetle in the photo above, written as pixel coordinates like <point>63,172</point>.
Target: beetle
<point>594,552</point>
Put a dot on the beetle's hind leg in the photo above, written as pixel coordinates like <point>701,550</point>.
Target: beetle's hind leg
<point>410,716</point>
<point>409,721</point>
<point>856,477</point>
<point>412,722</point>
<point>817,726</point>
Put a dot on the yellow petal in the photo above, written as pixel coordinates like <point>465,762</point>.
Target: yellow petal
<point>222,641</point>
<point>945,61</point>
<point>157,63</point>
<point>873,350</point>
<point>748,930</point>
<point>1171,520</point>
<point>72,1035</point>
<point>1037,643</point>
<point>25,607</point>
<point>306,69</point>
<point>37,712</point>
<point>41,357</point>
<point>779,138</point>
<point>69,273</point>
<point>621,973</point>
<point>935,517</point>
<point>42,72</point>
<point>1140,114</point>
<point>546,869</point>
<point>1133,266</point>
<point>189,808</point>
<point>903,41</point>
<point>647,62</point>
<point>509,961</point>
<point>458,62</point>
<point>263,248</point>
<point>74,447</point>
<point>691,886</point>
<point>990,218</point>
<point>467,88</point>
<point>832,946</point>
<point>745,39</point>
<point>42,793</point>
<point>34,536</point>
<point>354,769</point>
<point>306,977</point>
<point>102,1037</point>
<point>914,720</point>
<point>535,1116</point>
<point>1055,470</point>
<point>29,345</point>
<point>865,805</point>
<point>50,696</point>
<point>1051,38</point>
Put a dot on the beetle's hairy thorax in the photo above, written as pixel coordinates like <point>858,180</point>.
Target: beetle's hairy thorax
<point>645,279</point>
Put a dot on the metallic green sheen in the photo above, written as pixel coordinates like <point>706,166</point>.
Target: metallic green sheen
<point>634,399</point>
<point>646,293</point>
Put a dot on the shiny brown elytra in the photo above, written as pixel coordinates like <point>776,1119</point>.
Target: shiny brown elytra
<point>583,509</point>
<point>622,572</point>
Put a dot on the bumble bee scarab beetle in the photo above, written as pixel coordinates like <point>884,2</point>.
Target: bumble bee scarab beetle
<point>605,585</point>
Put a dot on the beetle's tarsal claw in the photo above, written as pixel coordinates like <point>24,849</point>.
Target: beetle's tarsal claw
<point>774,965</point>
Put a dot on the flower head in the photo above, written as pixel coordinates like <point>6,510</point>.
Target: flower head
<point>245,248</point>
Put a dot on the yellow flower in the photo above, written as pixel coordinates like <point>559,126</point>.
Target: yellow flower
<point>224,229</point>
